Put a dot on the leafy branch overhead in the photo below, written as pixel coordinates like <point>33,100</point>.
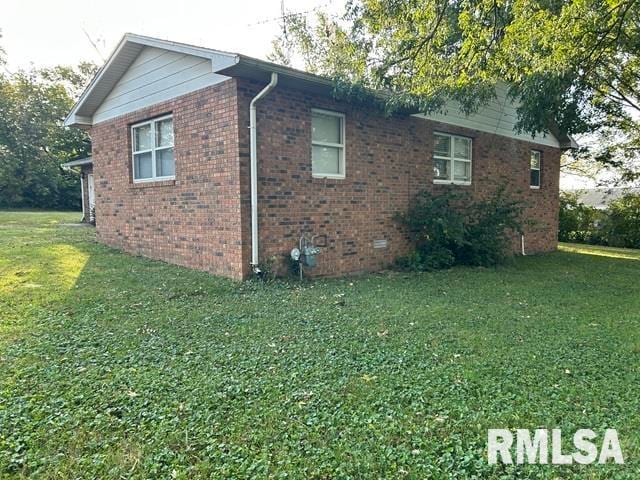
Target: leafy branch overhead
<point>572,63</point>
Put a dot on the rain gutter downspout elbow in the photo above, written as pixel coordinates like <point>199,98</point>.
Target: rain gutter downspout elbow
<point>254,168</point>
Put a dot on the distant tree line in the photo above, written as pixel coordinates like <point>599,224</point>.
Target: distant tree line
<point>616,226</point>
<point>33,140</point>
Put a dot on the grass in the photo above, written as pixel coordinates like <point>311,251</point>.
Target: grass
<point>121,367</point>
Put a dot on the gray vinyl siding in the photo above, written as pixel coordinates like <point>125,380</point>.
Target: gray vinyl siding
<point>498,117</point>
<point>157,75</point>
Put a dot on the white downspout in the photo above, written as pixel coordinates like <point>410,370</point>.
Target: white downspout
<point>522,244</point>
<point>254,168</point>
<point>82,194</point>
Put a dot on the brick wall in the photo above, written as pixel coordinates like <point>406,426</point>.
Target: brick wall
<point>202,219</point>
<point>193,221</point>
<point>388,160</point>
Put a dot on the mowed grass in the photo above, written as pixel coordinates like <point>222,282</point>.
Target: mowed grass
<point>113,366</point>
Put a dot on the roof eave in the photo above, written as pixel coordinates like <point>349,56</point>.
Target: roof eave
<point>83,119</point>
<point>81,162</point>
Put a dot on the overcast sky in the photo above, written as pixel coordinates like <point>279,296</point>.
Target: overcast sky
<point>53,32</point>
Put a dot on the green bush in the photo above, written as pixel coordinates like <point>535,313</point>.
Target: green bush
<point>621,225</point>
<point>617,226</point>
<point>486,242</point>
<point>447,229</point>
<point>578,222</point>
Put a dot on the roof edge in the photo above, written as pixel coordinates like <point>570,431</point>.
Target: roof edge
<point>78,162</point>
<point>74,120</point>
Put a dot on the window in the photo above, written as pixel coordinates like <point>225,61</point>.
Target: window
<point>451,159</point>
<point>153,150</point>
<point>327,144</point>
<point>536,167</point>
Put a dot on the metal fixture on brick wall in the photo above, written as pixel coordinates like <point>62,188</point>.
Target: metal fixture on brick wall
<point>307,251</point>
<point>254,170</point>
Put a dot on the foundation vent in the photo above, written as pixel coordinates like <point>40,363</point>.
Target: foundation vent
<point>382,243</point>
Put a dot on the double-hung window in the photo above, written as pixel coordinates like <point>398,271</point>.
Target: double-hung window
<point>451,159</point>
<point>152,143</point>
<point>536,167</point>
<point>327,144</point>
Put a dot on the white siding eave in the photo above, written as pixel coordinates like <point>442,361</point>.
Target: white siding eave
<point>498,117</point>
<point>142,71</point>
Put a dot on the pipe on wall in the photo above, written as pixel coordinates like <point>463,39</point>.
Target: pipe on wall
<point>254,168</point>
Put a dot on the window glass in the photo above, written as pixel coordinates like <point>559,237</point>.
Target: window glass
<point>535,178</point>
<point>326,160</point>
<point>442,145</point>
<point>153,150</point>
<point>164,133</point>
<point>451,158</point>
<point>461,171</point>
<point>165,166</point>
<point>326,128</point>
<point>462,148</point>
<point>142,136</point>
<point>441,168</point>
<point>142,165</point>
<point>535,160</point>
<point>535,169</point>
<point>327,144</point>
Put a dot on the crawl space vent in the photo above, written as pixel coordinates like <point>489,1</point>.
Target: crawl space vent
<point>382,243</point>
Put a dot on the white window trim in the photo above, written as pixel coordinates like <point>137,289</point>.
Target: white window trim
<point>153,151</point>
<point>539,169</point>
<point>451,159</point>
<point>342,146</point>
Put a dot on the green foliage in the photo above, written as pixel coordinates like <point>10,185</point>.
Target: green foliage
<point>577,222</point>
<point>33,140</point>
<point>449,229</point>
<point>573,64</point>
<point>436,229</point>
<point>621,225</point>
<point>487,226</point>
<point>115,366</point>
<point>617,226</point>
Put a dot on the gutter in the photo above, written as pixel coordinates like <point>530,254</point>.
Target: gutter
<point>254,169</point>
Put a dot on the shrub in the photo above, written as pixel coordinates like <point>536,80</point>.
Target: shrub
<point>487,224</point>
<point>621,225</point>
<point>617,226</point>
<point>447,229</point>
<point>436,228</point>
<point>577,222</point>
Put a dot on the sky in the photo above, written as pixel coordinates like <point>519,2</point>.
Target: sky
<point>45,33</point>
<point>56,32</point>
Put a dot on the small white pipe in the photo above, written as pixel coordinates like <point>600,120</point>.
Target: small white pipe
<point>82,175</point>
<point>522,244</point>
<point>254,167</point>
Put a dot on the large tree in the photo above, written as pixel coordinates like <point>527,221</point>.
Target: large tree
<point>572,63</point>
<point>33,140</point>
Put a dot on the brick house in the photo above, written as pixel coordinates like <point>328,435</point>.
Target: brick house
<point>178,130</point>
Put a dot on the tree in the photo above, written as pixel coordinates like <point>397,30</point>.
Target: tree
<point>33,140</point>
<point>573,64</point>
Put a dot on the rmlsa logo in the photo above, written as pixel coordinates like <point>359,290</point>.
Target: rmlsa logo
<point>536,449</point>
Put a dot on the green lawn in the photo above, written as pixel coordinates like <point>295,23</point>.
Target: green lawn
<point>116,367</point>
